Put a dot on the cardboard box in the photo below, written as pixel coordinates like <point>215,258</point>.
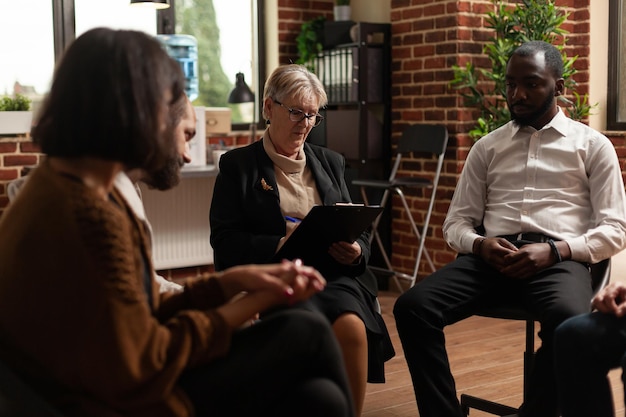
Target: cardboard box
<point>197,145</point>
<point>218,119</point>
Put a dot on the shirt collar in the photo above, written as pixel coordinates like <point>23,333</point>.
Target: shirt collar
<point>558,123</point>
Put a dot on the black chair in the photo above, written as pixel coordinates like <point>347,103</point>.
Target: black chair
<point>17,399</point>
<point>600,276</point>
<point>424,138</point>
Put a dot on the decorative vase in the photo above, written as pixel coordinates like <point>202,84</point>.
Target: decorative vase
<point>342,13</point>
<point>15,122</point>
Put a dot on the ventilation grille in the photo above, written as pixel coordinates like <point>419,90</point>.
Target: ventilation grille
<point>180,223</point>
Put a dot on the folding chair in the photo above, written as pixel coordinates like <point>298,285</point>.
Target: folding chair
<point>600,276</point>
<point>427,138</point>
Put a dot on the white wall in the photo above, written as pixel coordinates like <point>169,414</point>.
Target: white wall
<point>598,62</point>
<point>372,11</point>
<point>271,35</point>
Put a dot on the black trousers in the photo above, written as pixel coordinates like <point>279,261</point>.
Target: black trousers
<point>288,364</point>
<point>587,347</point>
<point>454,293</point>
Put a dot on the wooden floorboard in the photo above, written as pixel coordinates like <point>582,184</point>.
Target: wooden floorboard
<point>486,358</point>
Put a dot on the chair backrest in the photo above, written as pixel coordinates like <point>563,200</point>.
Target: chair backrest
<point>424,138</point>
<point>421,138</point>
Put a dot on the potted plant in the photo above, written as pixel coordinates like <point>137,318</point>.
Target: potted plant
<point>342,10</point>
<point>485,89</point>
<point>15,116</point>
<point>309,41</point>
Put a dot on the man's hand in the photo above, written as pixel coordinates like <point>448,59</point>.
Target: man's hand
<point>255,288</point>
<point>611,299</point>
<point>528,260</point>
<point>494,249</point>
<point>516,262</point>
<point>287,280</point>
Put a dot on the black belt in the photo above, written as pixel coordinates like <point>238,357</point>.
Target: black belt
<point>529,237</point>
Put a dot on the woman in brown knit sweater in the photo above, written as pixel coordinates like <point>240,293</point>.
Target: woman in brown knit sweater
<point>81,321</point>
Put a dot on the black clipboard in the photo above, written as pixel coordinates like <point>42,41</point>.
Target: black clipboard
<point>324,225</point>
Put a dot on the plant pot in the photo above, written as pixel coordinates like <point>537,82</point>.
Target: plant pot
<point>14,122</point>
<point>342,13</point>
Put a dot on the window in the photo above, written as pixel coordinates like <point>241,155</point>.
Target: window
<point>28,59</point>
<point>115,14</point>
<point>27,55</point>
<point>616,94</point>
<point>221,28</point>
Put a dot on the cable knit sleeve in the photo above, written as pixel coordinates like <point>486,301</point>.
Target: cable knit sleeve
<point>201,293</point>
<point>134,350</point>
<point>75,312</point>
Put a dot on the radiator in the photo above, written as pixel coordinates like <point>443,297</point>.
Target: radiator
<point>180,221</point>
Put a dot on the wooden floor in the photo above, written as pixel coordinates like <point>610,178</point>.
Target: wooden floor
<point>485,357</point>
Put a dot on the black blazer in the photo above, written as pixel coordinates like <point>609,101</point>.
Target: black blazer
<point>246,221</point>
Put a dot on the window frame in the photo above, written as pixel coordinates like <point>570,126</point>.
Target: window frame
<point>616,52</point>
<point>64,25</point>
<point>166,24</point>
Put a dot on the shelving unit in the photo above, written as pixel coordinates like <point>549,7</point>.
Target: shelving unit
<point>357,124</point>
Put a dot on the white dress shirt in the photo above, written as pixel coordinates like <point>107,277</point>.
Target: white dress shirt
<point>563,181</point>
<point>131,194</point>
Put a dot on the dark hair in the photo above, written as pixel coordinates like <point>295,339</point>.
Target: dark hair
<point>108,100</point>
<point>552,55</point>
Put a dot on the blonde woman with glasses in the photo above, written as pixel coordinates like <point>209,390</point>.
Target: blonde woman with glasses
<point>264,189</point>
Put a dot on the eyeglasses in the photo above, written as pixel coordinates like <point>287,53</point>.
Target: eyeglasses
<point>296,115</point>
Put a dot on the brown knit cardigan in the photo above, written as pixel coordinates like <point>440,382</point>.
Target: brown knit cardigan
<point>75,320</point>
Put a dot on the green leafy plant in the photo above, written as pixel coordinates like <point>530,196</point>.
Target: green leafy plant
<point>342,2</point>
<point>309,41</point>
<point>17,103</point>
<point>514,24</point>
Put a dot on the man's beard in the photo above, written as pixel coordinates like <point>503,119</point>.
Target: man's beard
<point>531,118</point>
<point>167,177</point>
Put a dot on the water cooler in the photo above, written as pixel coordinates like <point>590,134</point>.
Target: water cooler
<point>184,49</point>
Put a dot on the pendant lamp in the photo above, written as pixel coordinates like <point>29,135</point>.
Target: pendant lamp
<point>241,93</point>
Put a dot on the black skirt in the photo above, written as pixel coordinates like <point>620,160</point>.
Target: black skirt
<point>346,295</point>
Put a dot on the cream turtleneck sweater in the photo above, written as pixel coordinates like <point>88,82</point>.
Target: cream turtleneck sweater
<point>296,185</point>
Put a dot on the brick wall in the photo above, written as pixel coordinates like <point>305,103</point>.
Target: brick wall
<point>291,15</point>
<point>15,154</point>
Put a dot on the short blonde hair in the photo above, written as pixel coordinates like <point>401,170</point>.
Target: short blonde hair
<point>294,80</point>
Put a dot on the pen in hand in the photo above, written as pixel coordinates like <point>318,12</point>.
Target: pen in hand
<point>292,219</point>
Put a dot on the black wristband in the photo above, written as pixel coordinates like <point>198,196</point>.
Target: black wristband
<point>479,246</point>
<point>555,250</point>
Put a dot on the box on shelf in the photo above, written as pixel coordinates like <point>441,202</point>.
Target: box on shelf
<point>218,119</point>
<point>337,33</point>
<point>197,145</point>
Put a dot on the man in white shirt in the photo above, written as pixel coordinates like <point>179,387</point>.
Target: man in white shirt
<point>539,199</point>
<point>165,178</point>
